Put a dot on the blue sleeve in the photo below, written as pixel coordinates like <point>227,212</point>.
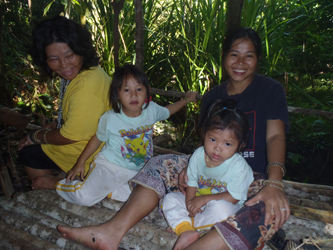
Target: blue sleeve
<point>161,113</point>
<point>192,171</point>
<point>243,176</point>
<point>101,132</point>
<point>276,104</point>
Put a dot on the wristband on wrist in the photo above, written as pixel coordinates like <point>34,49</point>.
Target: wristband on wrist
<point>44,137</point>
<point>273,182</point>
<point>35,135</point>
<point>31,136</point>
<point>272,185</point>
<point>280,165</point>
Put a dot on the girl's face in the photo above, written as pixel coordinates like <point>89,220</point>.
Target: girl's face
<point>241,62</point>
<point>63,61</point>
<point>132,96</point>
<point>219,146</point>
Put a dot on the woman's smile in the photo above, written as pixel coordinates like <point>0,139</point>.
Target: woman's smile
<point>63,61</point>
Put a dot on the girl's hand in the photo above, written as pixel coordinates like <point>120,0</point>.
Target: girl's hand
<point>182,180</point>
<point>194,205</point>
<point>276,203</point>
<point>191,95</point>
<point>77,169</point>
<point>25,141</point>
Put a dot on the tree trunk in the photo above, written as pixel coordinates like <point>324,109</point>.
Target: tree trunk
<point>117,7</point>
<point>233,22</point>
<point>30,10</point>
<point>234,15</point>
<point>139,47</point>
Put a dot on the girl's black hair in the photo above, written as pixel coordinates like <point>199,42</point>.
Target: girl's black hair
<point>224,115</point>
<point>243,32</point>
<point>120,76</point>
<point>62,30</point>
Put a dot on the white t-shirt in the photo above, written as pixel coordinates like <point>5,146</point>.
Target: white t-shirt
<point>233,175</point>
<point>129,140</point>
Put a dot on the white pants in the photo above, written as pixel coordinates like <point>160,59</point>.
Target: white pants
<point>103,178</point>
<point>175,211</point>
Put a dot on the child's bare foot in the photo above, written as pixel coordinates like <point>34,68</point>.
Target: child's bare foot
<point>94,237</point>
<point>185,239</point>
<point>45,182</point>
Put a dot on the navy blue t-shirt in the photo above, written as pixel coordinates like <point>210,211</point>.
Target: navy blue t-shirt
<point>264,99</point>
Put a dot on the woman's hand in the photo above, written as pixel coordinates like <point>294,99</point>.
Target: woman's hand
<point>76,169</point>
<point>182,180</point>
<point>25,141</point>
<point>276,203</point>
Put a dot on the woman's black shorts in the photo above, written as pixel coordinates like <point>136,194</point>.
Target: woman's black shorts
<point>34,157</point>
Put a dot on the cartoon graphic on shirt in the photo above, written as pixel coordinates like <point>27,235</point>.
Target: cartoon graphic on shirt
<point>136,148</point>
<point>210,186</point>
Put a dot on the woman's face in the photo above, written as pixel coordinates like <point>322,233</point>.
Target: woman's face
<point>241,61</point>
<point>63,61</point>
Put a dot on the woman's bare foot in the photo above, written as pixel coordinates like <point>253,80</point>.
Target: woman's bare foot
<point>45,182</point>
<point>185,239</point>
<point>95,237</point>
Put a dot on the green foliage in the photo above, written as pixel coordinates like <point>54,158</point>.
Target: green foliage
<point>309,149</point>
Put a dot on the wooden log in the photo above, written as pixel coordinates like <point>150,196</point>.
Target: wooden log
<point>310,188</point>
<point>171,93</point>
<point>310,203</point>
<point>162,139</point>
<point>12,169</point>
<point>160,150</point>
<point>177,94</point>
<point>310,112</point>
<point>314,214</point>
<point>5,182</point>
<point>143,235</point>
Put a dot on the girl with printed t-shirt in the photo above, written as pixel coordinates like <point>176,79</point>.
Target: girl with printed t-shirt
<point>127,131</point>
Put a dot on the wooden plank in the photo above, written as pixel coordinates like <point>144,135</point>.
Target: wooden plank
<point>5,182</point>
<point>178,94</point>
<point>311,213</point>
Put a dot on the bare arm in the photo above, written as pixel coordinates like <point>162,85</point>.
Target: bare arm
<point>79,168</point>
<point>52,137</point>
<point>182,180</point>
<point>274,198</point>
<point>190,194</point>
<point>175,107</point>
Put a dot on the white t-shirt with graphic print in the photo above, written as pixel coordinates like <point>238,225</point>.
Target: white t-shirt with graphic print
<point>129,140</point>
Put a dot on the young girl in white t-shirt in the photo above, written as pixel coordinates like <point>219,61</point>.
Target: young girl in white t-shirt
<point>127,131</point>
<point>218,176</point>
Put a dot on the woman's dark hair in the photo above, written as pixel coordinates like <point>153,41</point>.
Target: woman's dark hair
<point>62,30</point>
<point>120,76</point>
<point>224,115</point>
<point>243,32</point>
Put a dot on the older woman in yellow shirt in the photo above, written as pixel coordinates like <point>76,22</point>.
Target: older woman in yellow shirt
<point>63,48</point>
